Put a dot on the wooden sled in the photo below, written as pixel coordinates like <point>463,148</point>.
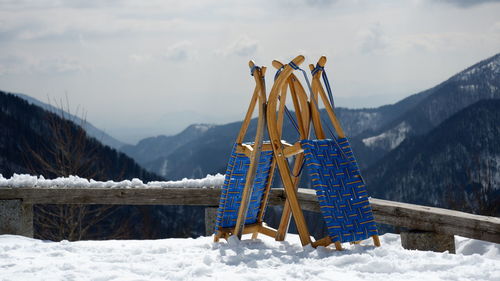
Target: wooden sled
<point>347,220</point>
<point>249,175</point>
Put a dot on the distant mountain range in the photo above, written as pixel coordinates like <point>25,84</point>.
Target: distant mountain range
<point>373,131</point>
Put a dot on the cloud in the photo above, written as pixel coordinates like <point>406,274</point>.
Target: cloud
<point>59,65</point>
<point>11,64</point>
<point>179,52</point>
<point>373,39</point>
<point>468,3</point>
<point>243,47</point>
<point>306,3</point>
<point>17,64</point>
<point>496,27</point>
<point>320,3</point>
<point>140,58</point>
<point>64,22</point>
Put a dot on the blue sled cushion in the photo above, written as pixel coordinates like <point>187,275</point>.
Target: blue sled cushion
<point>234,183</point>
<point>340,189</point>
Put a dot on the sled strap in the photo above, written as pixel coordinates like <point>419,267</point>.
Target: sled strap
<point>288,113</point>
<point>325,81</point>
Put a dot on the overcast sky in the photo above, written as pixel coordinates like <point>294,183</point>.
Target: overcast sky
<point>139,67</point>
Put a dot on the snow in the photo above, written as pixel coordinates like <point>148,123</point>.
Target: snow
<point>469,88</point>
<point>389,139</point>
<point>203,127</point>
<point>163,168</point>
<point>24,258</point>
<point>28,181</point>
<point>492,67</point>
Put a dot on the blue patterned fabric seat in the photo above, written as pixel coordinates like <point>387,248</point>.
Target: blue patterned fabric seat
<point>234,183</point>
<point>340,189</point>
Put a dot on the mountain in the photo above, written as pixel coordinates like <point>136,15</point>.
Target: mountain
<point>204,149</point>
<point>373,132</point>
<point>162,146</point>
<point>89,128</point>
<point>456,165</point>
<point>478,82</point>
<point>36,141</point>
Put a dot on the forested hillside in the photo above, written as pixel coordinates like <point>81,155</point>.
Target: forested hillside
<point>39,142</point>
<point>454,166</point>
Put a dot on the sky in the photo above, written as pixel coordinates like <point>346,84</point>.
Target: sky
<point>144,68</point>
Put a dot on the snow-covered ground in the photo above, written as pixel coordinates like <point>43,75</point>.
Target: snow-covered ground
<point>76,182</point>
<point>200,259</point>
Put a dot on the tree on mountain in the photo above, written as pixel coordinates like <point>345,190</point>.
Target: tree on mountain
<point>478,195</point>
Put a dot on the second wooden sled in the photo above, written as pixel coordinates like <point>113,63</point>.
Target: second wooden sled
<point>333,170</point>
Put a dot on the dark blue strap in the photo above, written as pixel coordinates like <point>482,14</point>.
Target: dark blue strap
<point>296,67</point>
<point>328,88</point>
<point>325,81</point>
<point>290,116</point>
<point>253,68</point>
<point>293,65</point>
<point>316,69</point>
<point>288,113</point>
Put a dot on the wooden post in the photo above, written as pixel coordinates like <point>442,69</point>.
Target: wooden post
<point>210,216</point>
<point>427,241</point>
<point>16,218</point>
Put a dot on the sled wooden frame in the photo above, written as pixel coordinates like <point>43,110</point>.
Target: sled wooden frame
<point>277,94</point>
<point>307,113</point>
<point>253,151</point>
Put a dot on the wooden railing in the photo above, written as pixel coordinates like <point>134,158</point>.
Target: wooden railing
<point>426,225</point>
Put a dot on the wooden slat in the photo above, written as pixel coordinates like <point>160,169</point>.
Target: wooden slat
<point>271,232</point>
<point>115,196</point>
<point>278,152</point>
<point>436,219</point>
<point>248,116</point>
<point>287,211</point>
<point>247,149</point>
<point>388,212</point>
<point>304,116</point>
<point>293,150</point>
<point>251,228</point>
<point>317,88</point>
<point>257,149</point>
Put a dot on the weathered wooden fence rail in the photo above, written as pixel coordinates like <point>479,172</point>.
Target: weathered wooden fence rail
<point>428,225</point>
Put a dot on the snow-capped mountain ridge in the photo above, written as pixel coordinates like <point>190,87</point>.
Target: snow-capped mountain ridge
<point>490,66</point>
<point>389,139</point>
<point>478,82</point>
